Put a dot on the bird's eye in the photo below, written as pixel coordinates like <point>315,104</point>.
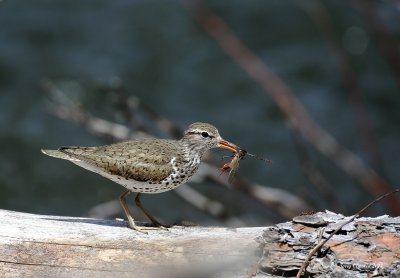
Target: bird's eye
<point>205,134</point>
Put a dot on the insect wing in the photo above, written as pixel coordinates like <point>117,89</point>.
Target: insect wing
<point>234,165</point>
<point>232,175</point>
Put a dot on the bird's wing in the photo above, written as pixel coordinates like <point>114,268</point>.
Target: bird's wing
<point>131,160</point>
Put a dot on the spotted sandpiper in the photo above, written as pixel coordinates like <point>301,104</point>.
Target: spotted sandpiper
<point>147,165</point>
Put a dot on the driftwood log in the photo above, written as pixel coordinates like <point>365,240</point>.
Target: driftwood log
<point>53,246</point>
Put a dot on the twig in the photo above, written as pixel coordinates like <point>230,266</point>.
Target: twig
<point>322,243</point>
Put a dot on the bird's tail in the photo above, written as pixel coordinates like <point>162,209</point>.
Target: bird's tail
<point>58,154</point>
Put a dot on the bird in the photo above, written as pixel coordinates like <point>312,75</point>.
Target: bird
<point>147,165</point>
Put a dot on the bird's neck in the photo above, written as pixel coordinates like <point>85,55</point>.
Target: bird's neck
<point>193,151</point>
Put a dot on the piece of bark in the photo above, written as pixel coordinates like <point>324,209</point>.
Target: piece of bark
<point>366,247</point>
<point>53,246</point>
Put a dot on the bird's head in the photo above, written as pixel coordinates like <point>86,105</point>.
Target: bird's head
<point>206,136</point>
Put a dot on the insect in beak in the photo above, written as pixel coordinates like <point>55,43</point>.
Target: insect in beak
<point>234,164</point>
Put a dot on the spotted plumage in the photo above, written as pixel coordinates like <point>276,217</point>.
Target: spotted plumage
<point>147,165</point>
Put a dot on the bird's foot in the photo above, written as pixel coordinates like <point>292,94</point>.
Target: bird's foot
<point>155,224</point>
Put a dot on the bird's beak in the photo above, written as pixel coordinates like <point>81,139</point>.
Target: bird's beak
<point>228,146</point>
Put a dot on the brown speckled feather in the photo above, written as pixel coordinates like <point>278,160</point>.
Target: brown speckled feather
<point>131,159</point>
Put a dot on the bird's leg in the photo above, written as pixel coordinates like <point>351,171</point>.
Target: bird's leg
<point>131,222</point>
<point>152,219</point>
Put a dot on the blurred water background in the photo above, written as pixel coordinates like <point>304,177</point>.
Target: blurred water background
<point>162,56</point>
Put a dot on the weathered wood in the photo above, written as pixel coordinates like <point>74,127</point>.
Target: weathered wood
<point>53,246</point>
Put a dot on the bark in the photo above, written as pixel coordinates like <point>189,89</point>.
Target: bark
<point>53,246</point>
<point>366,247</point>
